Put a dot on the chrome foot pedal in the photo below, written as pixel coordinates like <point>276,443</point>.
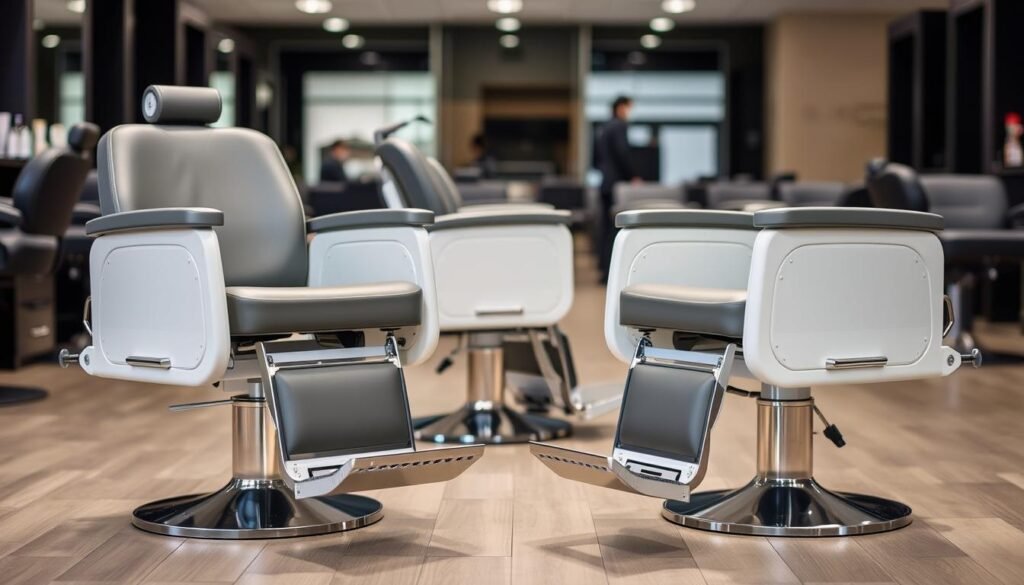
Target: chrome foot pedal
<point>343,424</point>
<point>661,445</point>
<point>606,472</point>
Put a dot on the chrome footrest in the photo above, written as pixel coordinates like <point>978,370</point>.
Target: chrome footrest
<point>387,471</point>
<point>606,472</point>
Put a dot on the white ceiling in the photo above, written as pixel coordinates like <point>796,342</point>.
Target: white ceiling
<point>283,12</point>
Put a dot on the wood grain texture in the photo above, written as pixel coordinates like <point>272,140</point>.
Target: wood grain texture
<point>73,467</point>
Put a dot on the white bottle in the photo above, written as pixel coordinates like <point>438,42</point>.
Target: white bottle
<point>25,142</point>
<point>13,146</point>
<point>5,129</point>
<point>39,136</point>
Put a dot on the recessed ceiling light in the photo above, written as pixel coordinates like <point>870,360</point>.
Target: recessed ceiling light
<point>636,58</point>
<point>50,41</point>
<point>505,6</point>
<point>509,41</point>
<point>371,58</point>
<point>335,24</point>
<point>662,24</point>
<point>313,6</point>
<point>226,45</point>
<point>76,6</point>
<point>678,6</point>
<point>650,41</point>
<point>352,41</point>
<point>508,24</point>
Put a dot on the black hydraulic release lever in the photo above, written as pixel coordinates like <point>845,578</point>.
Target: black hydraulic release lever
<point>382,134</point>
<point>448,360</point>
<point>831,431</point>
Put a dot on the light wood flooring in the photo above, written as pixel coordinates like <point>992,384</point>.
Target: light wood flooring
<point>74,465</point>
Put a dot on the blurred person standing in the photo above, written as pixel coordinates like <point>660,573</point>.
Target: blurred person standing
<point>615,162</point>
<point>332,169</point>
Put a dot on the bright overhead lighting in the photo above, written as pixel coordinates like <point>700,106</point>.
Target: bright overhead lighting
<point>508,24</point>
<point>313,6</point>
<point>662,24</point>
<point>50,41</point>
<point>505,6</point>
<point>226,45</point>
<point>678,6</point>
<point>76,6</point>
<point>509,41</point>
<point>335,24</point>
<point>650,41</point>
<point>352,41</point>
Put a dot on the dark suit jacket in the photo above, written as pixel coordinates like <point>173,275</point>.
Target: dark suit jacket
<point>613,155</point>
<point>332,171</point>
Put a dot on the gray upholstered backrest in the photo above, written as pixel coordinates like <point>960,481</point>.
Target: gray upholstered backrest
<point>418,184</point>
<point>448,188</point>
<point>967,201</point>
<point>627,194</point>
<point>240,172</point>
<point>811,193</point>
<point>722,192</point>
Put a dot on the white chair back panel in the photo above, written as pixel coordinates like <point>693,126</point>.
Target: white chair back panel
<point>502,277</point>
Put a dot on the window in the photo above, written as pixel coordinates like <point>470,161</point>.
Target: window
<point>353,104</point>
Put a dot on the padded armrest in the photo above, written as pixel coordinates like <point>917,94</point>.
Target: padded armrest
<point>1016,215</point>
<point>500,218</point>
<point>162,218</point>
<point>367,218</point>
<point>695,218</point>
<point>85,212</point>
<point>9,216</point>
<point>809,217</point>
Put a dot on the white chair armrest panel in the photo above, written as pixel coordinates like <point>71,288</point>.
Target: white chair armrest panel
<point>821,294</point>
<point>685,256</point>
<point>158,301</point>
<point>381,254</point>
<point>502,276</point>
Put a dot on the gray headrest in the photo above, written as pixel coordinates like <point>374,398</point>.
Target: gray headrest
<point>417,182</point>
<point>170,104</point>
<point>83,137</point>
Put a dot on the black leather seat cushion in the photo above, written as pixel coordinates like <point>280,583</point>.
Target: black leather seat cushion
<point>977,244</point>
<point>707,311</point>
<point>284,310</point>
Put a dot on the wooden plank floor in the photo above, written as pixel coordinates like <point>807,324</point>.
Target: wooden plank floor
<point>73,466</point>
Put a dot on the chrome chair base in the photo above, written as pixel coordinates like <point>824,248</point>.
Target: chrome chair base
<point>260,508</point>
<point>490,423</point>
<point>13,395</point>
<point>787,508</point>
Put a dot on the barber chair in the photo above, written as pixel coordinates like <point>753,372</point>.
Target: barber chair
<point>736,195</point>
<point>502,274</point>
<point>812,193</point>
<point>32,224</point>
<point>786,299</point>
<point>73,272</point>
<point>201,276</point>
<point>629,196</point>
<point>974,208</point>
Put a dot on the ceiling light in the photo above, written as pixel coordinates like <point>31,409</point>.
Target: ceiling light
<point>508,24</point>
<point>335,24</point>
<point>509,41</point>
<point>662,24</point>
<point>650,41</point>
<point>636,58</point>
<point>352,41</point>
<point>76,6</point>
<point>678,6</point>
<point>313,6</point>
<point>226,45</point>
<point>371,58</point>
<point>505,6</point>
<point>51,41</point>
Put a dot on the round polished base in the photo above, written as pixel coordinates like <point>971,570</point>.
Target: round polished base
<point>486,422</point>
<point>255,509</point>
<point>12,395</point>
<point>787,508</point>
